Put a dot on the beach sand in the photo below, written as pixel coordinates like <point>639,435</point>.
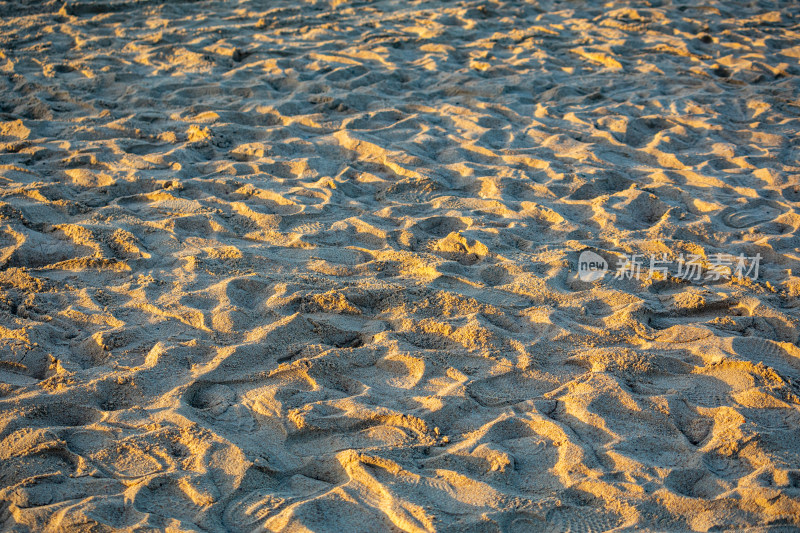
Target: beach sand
<point>312,266</point>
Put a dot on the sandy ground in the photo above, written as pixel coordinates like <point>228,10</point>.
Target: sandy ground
<point>311,266</point>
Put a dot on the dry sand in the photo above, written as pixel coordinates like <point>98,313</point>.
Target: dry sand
<point>311,266</point>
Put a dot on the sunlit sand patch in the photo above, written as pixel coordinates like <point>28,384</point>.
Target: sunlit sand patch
<point>315,266</point>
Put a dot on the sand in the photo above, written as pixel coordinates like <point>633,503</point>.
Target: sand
<point>312,266</point>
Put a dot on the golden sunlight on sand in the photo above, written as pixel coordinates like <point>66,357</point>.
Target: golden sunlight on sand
<point>350,266</point>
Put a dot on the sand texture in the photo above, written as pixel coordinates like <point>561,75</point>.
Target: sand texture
<point>311,266</point>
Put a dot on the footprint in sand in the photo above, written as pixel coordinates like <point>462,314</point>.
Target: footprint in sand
<point>495,275</point>
<point>792,193</point>
<point>529,524</point>
<point>215,398</point>
<point>751,214</point>
<point>218,403</point>
<point>507,389</point>
<point>253,509</point>
<point>728,467</point>
<point>708,392</point>
<point>580,519</point>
